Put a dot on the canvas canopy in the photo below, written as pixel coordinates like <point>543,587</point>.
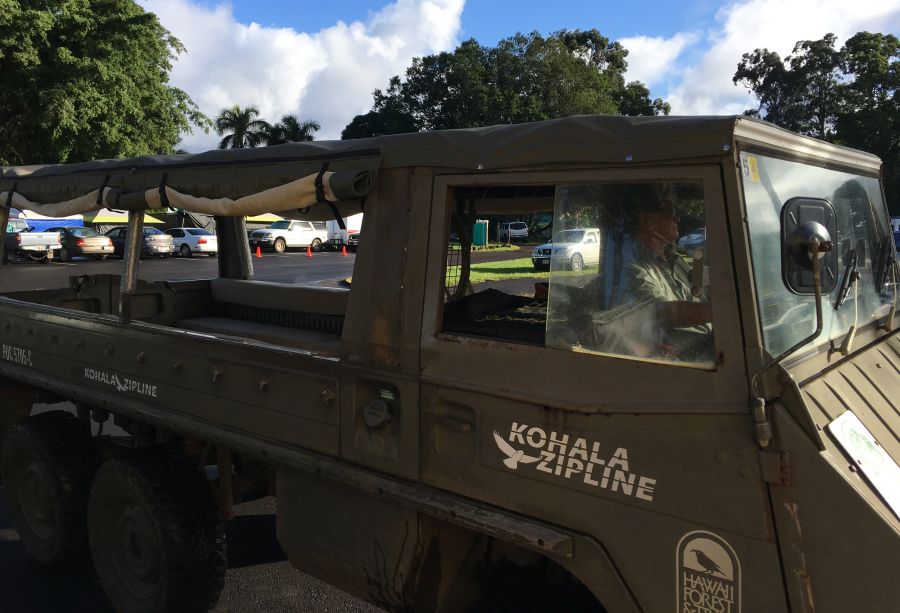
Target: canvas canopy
<point>280,179</point>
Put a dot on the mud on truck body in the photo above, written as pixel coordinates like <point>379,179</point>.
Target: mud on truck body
<point>438,442</point>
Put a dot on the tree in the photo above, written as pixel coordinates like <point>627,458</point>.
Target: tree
<point>291,130</point>
<point>83,80</point>
<point>849,96</point>
<point>241,128</point>
<point>524,78</point>
<point>800,92</point>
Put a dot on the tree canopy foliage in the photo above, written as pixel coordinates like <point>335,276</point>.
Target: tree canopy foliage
<point>524,78</point>
<point>87,79</point>
<point>241,128</point>
<point>850,96</point>
<point>291,130</point>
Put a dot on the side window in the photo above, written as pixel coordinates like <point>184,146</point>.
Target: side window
<point>614,269</point>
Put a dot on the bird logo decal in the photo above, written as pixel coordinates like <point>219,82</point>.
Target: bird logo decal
<point>709,567</point>
<point>513,456</point>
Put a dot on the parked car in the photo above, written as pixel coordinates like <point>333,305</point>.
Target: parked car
<point>510,231</point>
<point>82,242</point>
<point>289,233</point>
<point>156,242</point>
<point>22,240</point>
<point>188,241</point>
<point>353,242</point>
<point>573,249</point>
<point>693,241</point>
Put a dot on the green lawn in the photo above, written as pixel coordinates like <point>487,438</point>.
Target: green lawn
<point>520,268</point>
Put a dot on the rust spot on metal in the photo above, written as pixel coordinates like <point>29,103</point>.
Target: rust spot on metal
<point>263,384</point>
<point>141,357</point>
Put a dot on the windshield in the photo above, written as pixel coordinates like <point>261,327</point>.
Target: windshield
<point>862,227</point>
<point>280,225</point>
<point>85,232</point>
<point>569,236</point>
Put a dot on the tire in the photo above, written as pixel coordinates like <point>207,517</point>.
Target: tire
<point>279,245</point>
<point>185,251</point>
<point>156,535</point>
<point>102,257</point>
<point>577,263</point>
<point>213,254</point>
<point>64,255</point>
<point>316,245</point>
<point>47,464</point>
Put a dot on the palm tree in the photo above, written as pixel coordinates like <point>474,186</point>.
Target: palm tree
<point>290,129</point>
<point>241,128</point>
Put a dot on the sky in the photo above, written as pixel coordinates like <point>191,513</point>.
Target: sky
<point>322,60</point>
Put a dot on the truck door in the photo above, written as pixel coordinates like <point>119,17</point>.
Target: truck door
<point>565,396</point>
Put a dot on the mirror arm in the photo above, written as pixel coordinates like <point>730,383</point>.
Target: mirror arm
<point>758,404</point>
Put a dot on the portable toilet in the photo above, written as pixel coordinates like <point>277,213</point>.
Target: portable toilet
<point>480,233</point>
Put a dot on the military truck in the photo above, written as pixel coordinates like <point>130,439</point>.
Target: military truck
<point>658,431</point>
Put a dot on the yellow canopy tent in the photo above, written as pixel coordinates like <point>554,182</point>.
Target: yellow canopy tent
<point>108,217</point>
<point>264,218</point>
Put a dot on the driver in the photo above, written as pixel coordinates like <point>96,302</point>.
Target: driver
<point>653,273</point>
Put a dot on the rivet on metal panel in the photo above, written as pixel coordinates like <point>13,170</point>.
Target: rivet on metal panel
<point>177,365</point>
<point>216,375</point>
<point>141,357</point>
<point>263,384</point>
<point>327,398</point>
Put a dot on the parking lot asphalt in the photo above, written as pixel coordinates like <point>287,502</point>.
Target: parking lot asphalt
<point>288,267</point>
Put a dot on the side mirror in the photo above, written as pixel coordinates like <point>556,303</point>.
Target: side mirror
<point>803,221</point>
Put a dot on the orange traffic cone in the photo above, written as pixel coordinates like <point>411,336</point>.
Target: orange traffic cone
<point>308,251</point>
<point>258,251</point>
<point>344,250</point>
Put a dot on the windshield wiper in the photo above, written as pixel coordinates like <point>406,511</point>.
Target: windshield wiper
<point>850,277</point>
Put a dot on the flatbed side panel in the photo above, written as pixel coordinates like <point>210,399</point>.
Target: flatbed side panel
<point>281,395</point>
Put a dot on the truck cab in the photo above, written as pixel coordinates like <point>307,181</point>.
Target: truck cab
<point>660,429</point>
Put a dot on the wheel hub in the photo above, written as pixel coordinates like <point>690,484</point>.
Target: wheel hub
<point>35,498</point>
<point>136,551</point>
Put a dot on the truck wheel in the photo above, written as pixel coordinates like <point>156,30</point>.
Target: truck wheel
<point>279,245</point>
<point>577,262</point>
<point>156,535</point>
<point>316,245</point>
<point>47,464</point>
<point>64,255</point>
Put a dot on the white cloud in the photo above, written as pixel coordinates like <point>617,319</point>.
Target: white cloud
<point>706,87</point>
<point>327,76</point>
<point>651,59</point>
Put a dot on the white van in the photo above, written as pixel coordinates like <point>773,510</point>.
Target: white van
<point>510,231</point>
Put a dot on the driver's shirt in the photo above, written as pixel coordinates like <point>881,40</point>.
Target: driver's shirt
<point>666,279</point>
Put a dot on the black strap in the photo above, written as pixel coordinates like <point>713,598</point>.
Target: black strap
<point>320,197</point>
<point>102,187</point>
<point>9,195</point>
<point>163,198</point>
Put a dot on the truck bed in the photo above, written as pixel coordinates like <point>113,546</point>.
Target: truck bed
<point>210,352</point>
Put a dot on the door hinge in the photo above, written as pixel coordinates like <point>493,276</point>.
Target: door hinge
<point>774,467</point>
